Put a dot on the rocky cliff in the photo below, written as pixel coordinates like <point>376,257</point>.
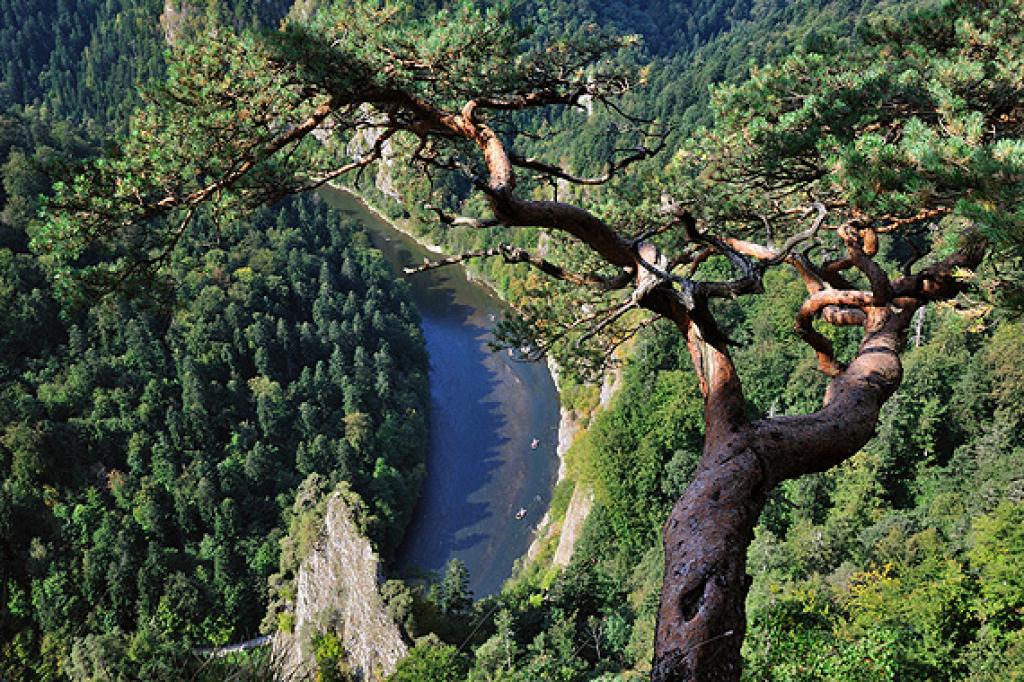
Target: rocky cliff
<point>336,593</point>
<point>173,20</point>
<point>569,427</point>
<point>575,516</point>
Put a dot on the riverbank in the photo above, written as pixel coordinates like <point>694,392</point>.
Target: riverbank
<point>397,225</point>
<point>565,526</point>
<point>487,409</point>
<point>545,530</point>
<point>401,225</point>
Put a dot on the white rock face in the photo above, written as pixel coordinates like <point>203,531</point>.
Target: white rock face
<point>568,429</point>
<point>610,386</point>
<point>172,20</point>
<point>361,144</point>
<point>578,511</point>
<point>337,591</point>
<point>302,10</point>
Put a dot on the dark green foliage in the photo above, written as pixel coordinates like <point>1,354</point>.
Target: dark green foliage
<point>902,565</point>
<point>82,60</point>
<point>79,59</point>
<point>453,595</point>
<point>149,454</point>
<point>431,662</point>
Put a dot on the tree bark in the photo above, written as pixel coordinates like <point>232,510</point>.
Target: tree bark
<point>702,618</point>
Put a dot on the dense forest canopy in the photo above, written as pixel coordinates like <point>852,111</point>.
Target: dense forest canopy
<point>161,454</point>
<point>846,186</point>
<point>152,457</point>
<point>81,61</point>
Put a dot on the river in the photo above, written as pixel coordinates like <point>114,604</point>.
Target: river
<point>486,409</point>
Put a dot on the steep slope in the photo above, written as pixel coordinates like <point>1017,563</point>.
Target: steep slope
<point>337,599</point>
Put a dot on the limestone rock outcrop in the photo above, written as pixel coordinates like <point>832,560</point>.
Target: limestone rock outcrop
<point>337,592</point>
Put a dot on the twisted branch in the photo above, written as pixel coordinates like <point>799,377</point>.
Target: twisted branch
<point>514,255</point>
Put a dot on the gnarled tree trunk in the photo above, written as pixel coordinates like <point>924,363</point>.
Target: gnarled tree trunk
<point>701,620</point>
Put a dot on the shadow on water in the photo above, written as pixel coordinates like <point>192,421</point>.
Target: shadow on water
<point>465,446</point>
<point>485,411</point>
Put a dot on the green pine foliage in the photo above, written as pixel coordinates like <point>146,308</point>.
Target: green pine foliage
<point>154,452</point>
<point>883,571</point>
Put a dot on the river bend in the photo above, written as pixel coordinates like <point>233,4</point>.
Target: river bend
<point>486,411</point>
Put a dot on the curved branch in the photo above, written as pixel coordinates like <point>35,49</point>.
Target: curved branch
<point>770,257</point>
<point>830,270</point>
<point>751,282</point>
<point>460,221</point>
<point>630,304</point>
<point>941,281</point>
<point>924,215</point>
<point>246,164</point>
<point>514,255</point>
<point>819,342</point>
<point>861,248</point>
<point>513,211</point>
<point>530,100</point>
<point>724,402</point>
<point>821,440</point>
<point>509,209</point>
<point>375,154</point>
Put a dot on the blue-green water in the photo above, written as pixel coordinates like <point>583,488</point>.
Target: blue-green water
<point>486,409</point>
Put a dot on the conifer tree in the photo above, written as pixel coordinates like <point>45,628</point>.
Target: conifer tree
<point>910,145</point>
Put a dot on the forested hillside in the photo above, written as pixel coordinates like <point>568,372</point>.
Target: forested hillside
<point>152,443</point>
<point>82,61</point>
<point>151,450</point>
<point>152,446</point>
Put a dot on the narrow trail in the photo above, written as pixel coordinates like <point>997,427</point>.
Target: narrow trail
<point>218,651</point>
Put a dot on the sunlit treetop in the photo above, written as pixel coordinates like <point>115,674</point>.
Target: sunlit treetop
<point>916,133</point>
<point>464,51</point>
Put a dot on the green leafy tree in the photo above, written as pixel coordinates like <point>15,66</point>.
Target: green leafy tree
<point>453,594</point>
<point>997,553</point>
<point>496,658</point>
